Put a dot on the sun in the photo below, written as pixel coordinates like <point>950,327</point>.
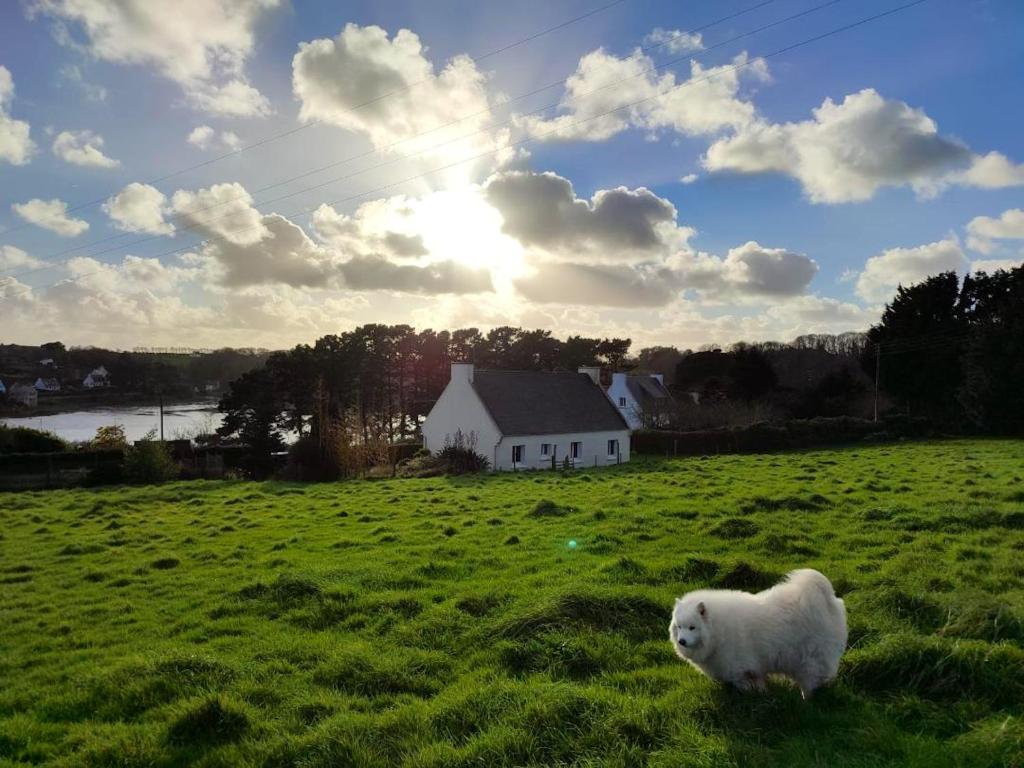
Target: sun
<point>458,224</point>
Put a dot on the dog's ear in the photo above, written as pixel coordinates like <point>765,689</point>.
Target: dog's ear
<point>702,610</point>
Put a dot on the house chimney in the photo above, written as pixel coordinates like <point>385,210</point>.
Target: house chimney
<point>462,372</point>
<point>594,372</point>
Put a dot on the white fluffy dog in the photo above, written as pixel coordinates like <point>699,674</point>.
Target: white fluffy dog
<point>797,629</point>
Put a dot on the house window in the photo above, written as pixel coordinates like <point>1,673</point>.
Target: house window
<point>518,452</point>
<point>613,447</point>
<point>622,402</point>
<point>545,449</point>
<point>576,450</point>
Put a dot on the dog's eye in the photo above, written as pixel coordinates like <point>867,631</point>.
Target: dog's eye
<point>692,628</point>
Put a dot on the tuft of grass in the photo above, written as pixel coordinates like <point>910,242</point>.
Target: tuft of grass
<point>936,668</point>
<point>546,508</point>
<point>735,528</point>
<point>212,720</point>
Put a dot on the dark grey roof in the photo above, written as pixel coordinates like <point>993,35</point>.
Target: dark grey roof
<point>543,403</point>
<point>646,388</point>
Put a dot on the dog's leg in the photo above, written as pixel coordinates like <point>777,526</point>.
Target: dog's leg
<point>808,685</point>
<point>750,681</point>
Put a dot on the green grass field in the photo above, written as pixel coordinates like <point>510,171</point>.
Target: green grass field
<point>514,619</point>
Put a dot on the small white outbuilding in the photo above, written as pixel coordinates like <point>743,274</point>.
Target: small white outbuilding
<point>529,419</point>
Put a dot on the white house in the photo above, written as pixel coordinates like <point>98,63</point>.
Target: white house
<point>47,385</point>
<point>98,378</point>
<point>642,400</point>
<point>23,394</point>
<point>529,419</point>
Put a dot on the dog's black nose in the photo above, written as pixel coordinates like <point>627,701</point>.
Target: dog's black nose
<point>682,642</point>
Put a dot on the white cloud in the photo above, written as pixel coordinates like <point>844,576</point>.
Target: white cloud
<point>883,273</point>
<point>16,147</point>
<point>281,253</point>
<point>204,137</point>
<point>674,41</point>
<point>982,230</point>
<point>82,148</point>
<point>139,208</point>
<point>993,265</point>
<point>235,98</point>
<point>202,45</point>
<point>132,274</point>
<point>689,178</point>
<point>386,89</point>
<point>607,94</point>
<point>992,171</point>
<point>848,151</point>
<point>223,211</point>
<point>15,258</point>
<point>377,273</point>
<point>72,73</point>
<point>609,285</point>
<point>51,215</point>
<point>748,272</point>
<point>542,211</point>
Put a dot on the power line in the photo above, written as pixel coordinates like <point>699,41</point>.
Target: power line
<point>407,87</point>
<point>736,67</point>
<point>183,215</point>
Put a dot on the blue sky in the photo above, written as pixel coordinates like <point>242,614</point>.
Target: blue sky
<point>785,223</point>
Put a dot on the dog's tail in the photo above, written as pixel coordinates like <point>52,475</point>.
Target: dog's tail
<point>815,583</point>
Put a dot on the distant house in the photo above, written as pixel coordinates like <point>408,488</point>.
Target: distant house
<point>643,400</point>
<point>47,385</point>
<point>98,378</point>
<point>529,419</point>
<point>23,394</point>
<point>47,362</point>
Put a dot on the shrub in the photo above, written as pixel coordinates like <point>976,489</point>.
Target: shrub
<point>110,437</point>
<point>25,440</point>
<point>459,455</point>
<point>149,461</point>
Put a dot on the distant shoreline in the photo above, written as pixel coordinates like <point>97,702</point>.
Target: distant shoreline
<point>53,404</point>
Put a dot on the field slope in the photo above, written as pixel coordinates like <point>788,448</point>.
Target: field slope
<point>513,620</point>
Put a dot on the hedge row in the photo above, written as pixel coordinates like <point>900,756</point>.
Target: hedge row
<point>784,436</point>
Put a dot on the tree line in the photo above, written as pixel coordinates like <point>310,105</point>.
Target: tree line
<point>949,350</point>
<point>952,350</point>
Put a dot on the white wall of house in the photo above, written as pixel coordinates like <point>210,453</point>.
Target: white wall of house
<point>623,399</point>
<point>459,408</point>
<point>593,450</point>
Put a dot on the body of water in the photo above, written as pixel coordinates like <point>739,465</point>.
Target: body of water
<point>180,420</point>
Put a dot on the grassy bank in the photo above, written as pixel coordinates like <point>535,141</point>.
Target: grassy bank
<point>515,619</point>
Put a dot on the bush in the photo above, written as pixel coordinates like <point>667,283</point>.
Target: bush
<point>25,440</point>
<point>459,456</point>
<point>149,461</point>
<point>110,437</point>
<point>337,451</point>
<point>789,435</point>
<point>309,462</point>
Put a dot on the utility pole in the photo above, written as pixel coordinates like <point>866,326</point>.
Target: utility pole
<point>878,368</point>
